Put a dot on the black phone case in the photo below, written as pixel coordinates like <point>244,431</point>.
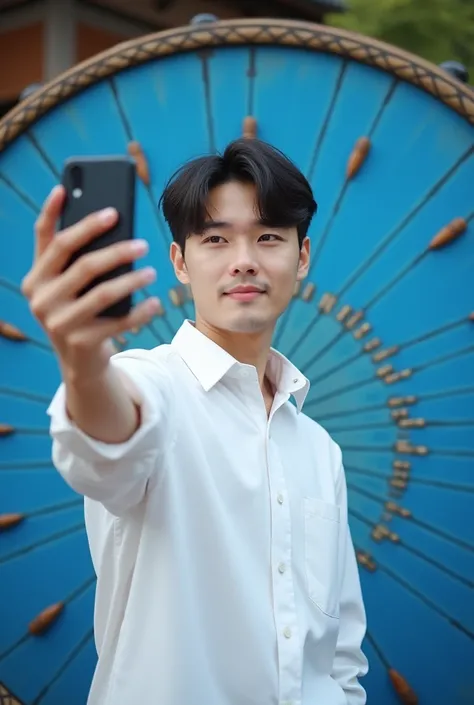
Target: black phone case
<point>104,182</point>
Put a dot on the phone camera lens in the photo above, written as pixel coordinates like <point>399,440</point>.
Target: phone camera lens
<point>76,181</point>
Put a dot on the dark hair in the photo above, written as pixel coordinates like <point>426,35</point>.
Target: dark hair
<point>284,196</point>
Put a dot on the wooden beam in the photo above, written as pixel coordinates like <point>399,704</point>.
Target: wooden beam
<point>145,17</point>
<point>291,9</point>
<point>303,9</point>
<point>101,18</point>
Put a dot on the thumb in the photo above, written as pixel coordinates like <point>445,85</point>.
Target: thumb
<point>45,226</point>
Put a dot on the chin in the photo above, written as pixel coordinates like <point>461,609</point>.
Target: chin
<point>249,324</point>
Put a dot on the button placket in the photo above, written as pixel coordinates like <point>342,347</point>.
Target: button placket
<point>283,590</point>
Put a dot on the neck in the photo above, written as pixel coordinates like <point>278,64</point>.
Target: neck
<point>248,348</point>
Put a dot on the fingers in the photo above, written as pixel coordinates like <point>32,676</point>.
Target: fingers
<point>92,336</point>
<point>65,244</point>
<point>84,311</point>
<point>138,317</point>
<point>69,241</point>
<point>91,266</point>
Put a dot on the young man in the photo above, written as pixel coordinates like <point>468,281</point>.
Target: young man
<point>216,510</point>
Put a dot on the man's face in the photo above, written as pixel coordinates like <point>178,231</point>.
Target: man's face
<point>242,273</point>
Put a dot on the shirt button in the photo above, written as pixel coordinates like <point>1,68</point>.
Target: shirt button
<point>280,499</point>
<point>295,380</point>
<point>287,632</point>
<point>281,568</point>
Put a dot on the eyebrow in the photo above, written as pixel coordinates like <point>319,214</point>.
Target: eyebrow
<point>215,224</point>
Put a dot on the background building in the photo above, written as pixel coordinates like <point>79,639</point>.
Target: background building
<point>40,39</point>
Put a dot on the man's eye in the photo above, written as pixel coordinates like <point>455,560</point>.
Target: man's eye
<point>267,237</point>
<point>214,239</point>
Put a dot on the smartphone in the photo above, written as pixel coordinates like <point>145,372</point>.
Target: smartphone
<point>94,183</point>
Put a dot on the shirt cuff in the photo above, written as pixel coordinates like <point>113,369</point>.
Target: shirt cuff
<point>66,432</point>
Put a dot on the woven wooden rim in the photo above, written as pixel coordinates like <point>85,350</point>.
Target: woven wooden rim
<point>404,65</point>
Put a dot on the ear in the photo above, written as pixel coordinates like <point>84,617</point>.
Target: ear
<point>303,263</point>
<point>177,260</point>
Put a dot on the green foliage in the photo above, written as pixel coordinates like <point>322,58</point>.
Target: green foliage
<point>437,30</point>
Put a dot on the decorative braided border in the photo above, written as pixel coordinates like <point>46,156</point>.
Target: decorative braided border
<point>6,698</point>
<point>315,37</point>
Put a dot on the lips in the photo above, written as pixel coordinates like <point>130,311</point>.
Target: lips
<point>244,293</point>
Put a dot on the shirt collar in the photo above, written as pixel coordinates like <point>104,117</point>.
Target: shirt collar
<point>209,363</point>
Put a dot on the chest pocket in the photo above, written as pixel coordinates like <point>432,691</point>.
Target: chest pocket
<point>322,526</point>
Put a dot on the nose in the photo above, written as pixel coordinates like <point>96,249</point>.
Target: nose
<point>244,262</point>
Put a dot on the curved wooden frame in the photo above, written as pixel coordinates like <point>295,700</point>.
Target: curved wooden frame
<point>405,66</point>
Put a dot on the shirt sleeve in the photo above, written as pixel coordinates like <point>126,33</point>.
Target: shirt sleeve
<point>117,475</point>
<point>350,663</point>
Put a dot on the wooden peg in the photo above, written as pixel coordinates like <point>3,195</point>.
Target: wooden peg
<point>380,532</point>
<point>355,318</point>
<point>372,344</point>
<point>401,401</point>
<point>365,559</point>
<point>398,483</point>
<point>249,130</point>
<point>384,370</point>
<point>383,354</point>
<point>449,233</point>
<point>45,619</point>
<point>136,152</point>
<point>11,332</point>
<point>343,313</point>
<point>296,289</point>
<point>177,296</point>
<point>396,509</point>
<point>358,156</point>
<point>404,691</point>
<point>401,465</point>
<point>408,449</point>
<point>327,303</point>
<point>399,414</point>
<point>401,474</point>
<point>362,331</point>
<point>412,423</point>
<point>7,521</point>
<point>308,292</point>
<point>6,429</point>
<point>397,376</point>
<point>161,310</point>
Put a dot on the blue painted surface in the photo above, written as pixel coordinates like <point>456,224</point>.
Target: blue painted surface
<point>367,239</point>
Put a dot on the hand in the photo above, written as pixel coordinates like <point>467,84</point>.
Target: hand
<point>80,337</point>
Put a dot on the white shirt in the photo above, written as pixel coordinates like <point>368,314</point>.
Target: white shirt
<point>226,571</point>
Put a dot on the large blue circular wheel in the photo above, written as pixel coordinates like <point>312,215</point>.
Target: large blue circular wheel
<point>382,326</point>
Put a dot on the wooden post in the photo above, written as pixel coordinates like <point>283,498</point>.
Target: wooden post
<point>59,37</point>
